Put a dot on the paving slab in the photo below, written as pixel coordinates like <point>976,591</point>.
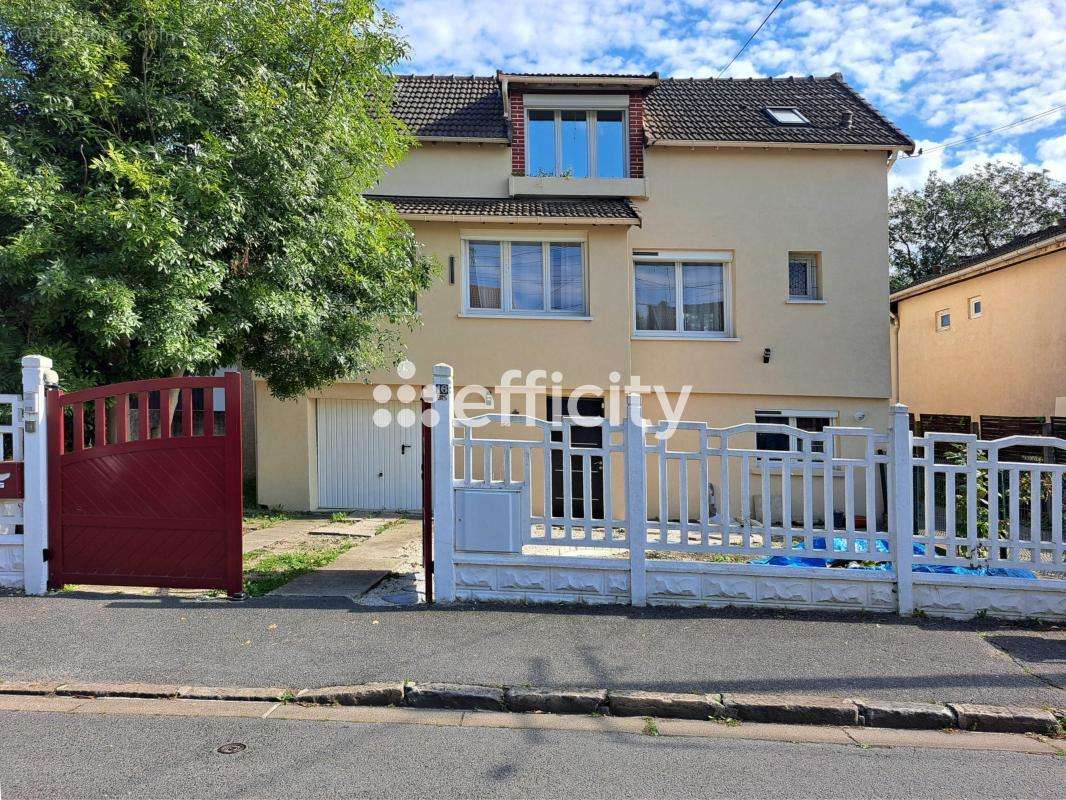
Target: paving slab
<point>357,571</point>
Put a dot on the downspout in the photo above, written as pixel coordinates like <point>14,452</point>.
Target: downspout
<point>894,354</point>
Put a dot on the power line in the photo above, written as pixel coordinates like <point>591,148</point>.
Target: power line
<point>756,33</point>
<point>1016,123</point>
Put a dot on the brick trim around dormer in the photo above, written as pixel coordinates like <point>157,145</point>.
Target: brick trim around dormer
<point>636,134</point>
<point>518,134</point>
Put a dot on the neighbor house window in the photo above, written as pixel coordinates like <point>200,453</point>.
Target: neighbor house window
<point>576,143</point>
<point>975,307</point>
<point>525,276</point>
<point>804,276</point>
<point>812,421</point>
<point>786,115</point>
<point>943,320</point>
<point>686,297</point>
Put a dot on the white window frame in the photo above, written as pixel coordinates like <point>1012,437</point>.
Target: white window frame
<point>589,104</point>
<point>814,276</point>
<point>939,319</point>
<point>506,310</point>
<point>973,303</point>
<point>722,257</point>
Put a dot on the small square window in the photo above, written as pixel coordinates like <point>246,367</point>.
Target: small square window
<point>786,115</point>
<point>975,307</point>
<point>804,277</point>
<point>943,320</point>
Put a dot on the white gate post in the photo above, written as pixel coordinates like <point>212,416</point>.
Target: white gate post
<point>903,507</point>
<point>636,499</point>
<point>36,372</point>
<point>443,491</point>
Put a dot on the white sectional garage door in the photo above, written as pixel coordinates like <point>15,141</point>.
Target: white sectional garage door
<point>363,465</point>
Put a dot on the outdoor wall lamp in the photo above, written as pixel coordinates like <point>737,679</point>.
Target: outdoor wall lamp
<point>766,353</point>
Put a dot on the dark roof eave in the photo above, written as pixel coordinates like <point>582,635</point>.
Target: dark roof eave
<point>996,258</point>
<point>598,211</point>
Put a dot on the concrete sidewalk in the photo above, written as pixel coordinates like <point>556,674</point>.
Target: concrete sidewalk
<point>284,641</point>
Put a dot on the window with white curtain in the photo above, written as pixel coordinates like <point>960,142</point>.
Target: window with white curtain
<point>683,297</point>
<point>525,277</point>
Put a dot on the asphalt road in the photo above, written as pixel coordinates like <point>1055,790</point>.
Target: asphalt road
<point>57,755</point>
<point>300,642</point>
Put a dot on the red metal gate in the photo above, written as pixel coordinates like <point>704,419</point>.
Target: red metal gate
<point>145,484</point>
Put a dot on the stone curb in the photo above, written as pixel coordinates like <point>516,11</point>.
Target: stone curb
<point>786,709</point>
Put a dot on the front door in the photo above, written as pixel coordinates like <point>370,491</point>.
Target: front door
<point>580,437</point>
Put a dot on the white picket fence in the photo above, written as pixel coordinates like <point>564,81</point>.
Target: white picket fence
<point>846,518</point>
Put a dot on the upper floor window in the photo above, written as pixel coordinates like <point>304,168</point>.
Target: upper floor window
<point>976,306</point>
<point>943,320</point>
<point>576,142</point>
<point>524,277</point>
<point>683,297</point>
<point>804,277</point>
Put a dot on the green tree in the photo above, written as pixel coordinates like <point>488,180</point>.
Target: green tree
<point>181,188</point>
<point>932,229</point>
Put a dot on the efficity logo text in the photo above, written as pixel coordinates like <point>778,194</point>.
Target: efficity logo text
<point>515,399</point>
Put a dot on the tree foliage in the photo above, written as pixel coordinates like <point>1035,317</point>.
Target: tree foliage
<point>932,229</point>
<point>181,188</point>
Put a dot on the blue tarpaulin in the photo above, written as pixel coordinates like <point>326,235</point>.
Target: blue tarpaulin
<point>881,546</point>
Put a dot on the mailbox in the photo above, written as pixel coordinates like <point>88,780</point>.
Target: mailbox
<point>491,520</point>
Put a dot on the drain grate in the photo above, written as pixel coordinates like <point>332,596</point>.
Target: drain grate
<point>232,747</point>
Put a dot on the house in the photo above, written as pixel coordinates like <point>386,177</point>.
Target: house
<point>729,236</point>
<point>989,336</point>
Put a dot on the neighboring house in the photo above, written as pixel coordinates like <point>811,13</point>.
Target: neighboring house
<point>730,235</point>
<point>988,337</point>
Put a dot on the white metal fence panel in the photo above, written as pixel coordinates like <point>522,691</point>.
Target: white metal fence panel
<point>847,517</point>
<point>975,508</point>
<point>719,493</point>
<point>571,488</point>
<point>11,510</point>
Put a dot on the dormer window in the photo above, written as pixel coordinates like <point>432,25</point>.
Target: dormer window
<point>786,115</point>
<point>576,136</point>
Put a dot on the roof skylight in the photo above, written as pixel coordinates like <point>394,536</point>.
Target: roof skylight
<point>786,115</point>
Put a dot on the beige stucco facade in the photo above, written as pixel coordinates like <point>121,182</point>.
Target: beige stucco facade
<point>756,204</point>
<point>1010,360</point>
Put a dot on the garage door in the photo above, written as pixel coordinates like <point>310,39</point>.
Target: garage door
<point>365,465</point>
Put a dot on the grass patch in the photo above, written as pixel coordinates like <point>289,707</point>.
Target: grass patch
<point>392,523</point>
<point>264,572</point>
<point>650,728</point>
<point>257,518</point>
<point>338,516</point>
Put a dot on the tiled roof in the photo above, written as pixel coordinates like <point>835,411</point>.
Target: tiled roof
<point>677,109</point>
<point>618,75</point>
<point>1017,243</point>
<point>451,106</point>
<point>733,111</point>
<point>577,208</point>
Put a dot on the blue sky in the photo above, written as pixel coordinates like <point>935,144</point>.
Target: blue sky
<point>940,70</point>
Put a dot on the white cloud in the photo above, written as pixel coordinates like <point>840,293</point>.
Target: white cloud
<point>942,69</point>
<point>1052,154</point>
